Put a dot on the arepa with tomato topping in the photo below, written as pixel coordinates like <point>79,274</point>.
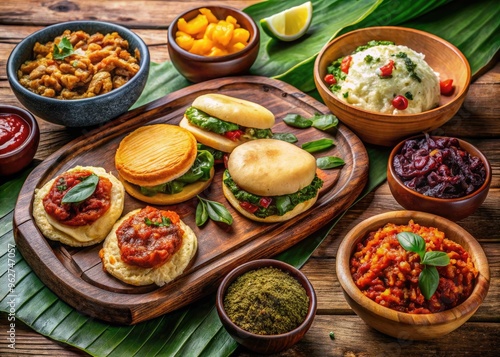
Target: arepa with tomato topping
<point>148,246</point>
<point>79,207</point>
<point>270,180</point>
<point>223,122</point>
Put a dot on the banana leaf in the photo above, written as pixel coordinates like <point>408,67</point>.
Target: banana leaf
<point>196,329</point>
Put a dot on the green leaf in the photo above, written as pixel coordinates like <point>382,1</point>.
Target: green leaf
<point>440,259</point>
<point>428,281</point>
<point>216,211</point>
<point>288,137</point>
<point>82,191</point>
<point>201,213</point>
<point>325,122</point>
<point>318,145</point>
<point>63,50</point>
<point>412,242</point>
<point>297,121</point>
<point>329,162</point>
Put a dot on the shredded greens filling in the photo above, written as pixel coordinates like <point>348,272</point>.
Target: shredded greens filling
<point>200,171</point>
<point>280,204</point>
<point>207,122</point>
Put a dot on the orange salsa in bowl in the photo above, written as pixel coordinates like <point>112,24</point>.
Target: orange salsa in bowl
<point>389,275</point>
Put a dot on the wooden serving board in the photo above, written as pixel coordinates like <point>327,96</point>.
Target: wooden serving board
<point>76,275</point>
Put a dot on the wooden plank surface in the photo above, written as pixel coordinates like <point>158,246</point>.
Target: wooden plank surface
<point>77,276</point>
<point>477,121</point>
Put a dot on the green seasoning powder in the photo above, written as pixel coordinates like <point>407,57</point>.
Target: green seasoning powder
<point>266,301</point>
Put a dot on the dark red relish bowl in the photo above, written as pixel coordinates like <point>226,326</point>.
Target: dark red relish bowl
<point>455,208</point>
<point>20,156</point>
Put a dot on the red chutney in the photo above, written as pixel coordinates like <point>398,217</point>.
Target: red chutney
<point>83,213</point>
<point>14,131</point>
<point>388,274</point>
<point>145,241</point>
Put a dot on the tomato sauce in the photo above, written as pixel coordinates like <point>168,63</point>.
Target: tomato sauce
<point>14,131</point>
<point>146,241</point>
<point>388,274</point>
<point>82,213</point>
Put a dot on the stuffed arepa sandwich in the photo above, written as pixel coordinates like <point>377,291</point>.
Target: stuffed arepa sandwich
<point>223,122</point>
<point>271,180</point>
<point>148,246</point>
<point>160,164</point>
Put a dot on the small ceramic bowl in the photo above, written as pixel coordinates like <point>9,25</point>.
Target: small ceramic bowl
<point>387,129</point>
<point>266,344</point>
<point>406,326</point>
<point>454,209</point>
<point>79,112</point>
<point>197,68</point>
<point>19,157</point>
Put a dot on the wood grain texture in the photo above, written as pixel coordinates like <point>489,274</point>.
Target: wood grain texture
<point>477,121</point>
<point>76,275</point>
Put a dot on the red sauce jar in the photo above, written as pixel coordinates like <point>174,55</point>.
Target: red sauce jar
<point>19,138</point>
<point>14,131</point>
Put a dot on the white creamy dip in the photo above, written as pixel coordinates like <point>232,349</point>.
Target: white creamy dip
<point>365,88</point>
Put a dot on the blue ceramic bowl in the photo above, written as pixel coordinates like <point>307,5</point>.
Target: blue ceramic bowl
<point>79,112</point>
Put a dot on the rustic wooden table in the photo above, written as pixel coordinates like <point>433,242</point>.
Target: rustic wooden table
<point>478,122</point>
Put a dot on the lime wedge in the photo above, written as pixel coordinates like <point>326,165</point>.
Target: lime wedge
<point>289,24</point>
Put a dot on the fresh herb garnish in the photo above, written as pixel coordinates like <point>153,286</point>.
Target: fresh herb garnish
<point>409,96</point>
<point>325,122</point>
<point>61,184</point>
<point>63,50</point>
<point>213,210</point>
<point>297,121</point>
<point>288,137</point>
<point>165,222</point>
<point>318,145</point>
<point>329,162</point>
<point>428,279</point>
<point>82,191</point>
<point>332,335</point>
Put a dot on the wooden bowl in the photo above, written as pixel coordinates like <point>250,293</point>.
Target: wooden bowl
<point>402,325</point>
<point>79,112</point>
<point>18,158</point>
<point>266,344</point>
<point>388,129</point>
<point>454,209</point>
<point>197,68</point>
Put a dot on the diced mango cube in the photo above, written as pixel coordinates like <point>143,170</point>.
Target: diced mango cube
<point>201,47</point>
<point>240,35</point>
<point>193,26</point>
<point>238,46</point>
<point>184,40</point>
<point>217,51</point>
<point>209,32</point>
<point>210,16</point>
<point>223,32</point>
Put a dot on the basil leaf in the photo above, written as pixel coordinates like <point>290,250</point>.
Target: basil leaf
<point>329,162</point>
<point>63,50</point>
<point>428,281</point>
<point>297,121</point>
<point>216,211</point>
<point>412,242</point>
<point>201,213</point>
<point>318,145</point>
<point>81,191</point>
<point>440,259</point>
<point>288,137</point>
<point>325,122</point>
